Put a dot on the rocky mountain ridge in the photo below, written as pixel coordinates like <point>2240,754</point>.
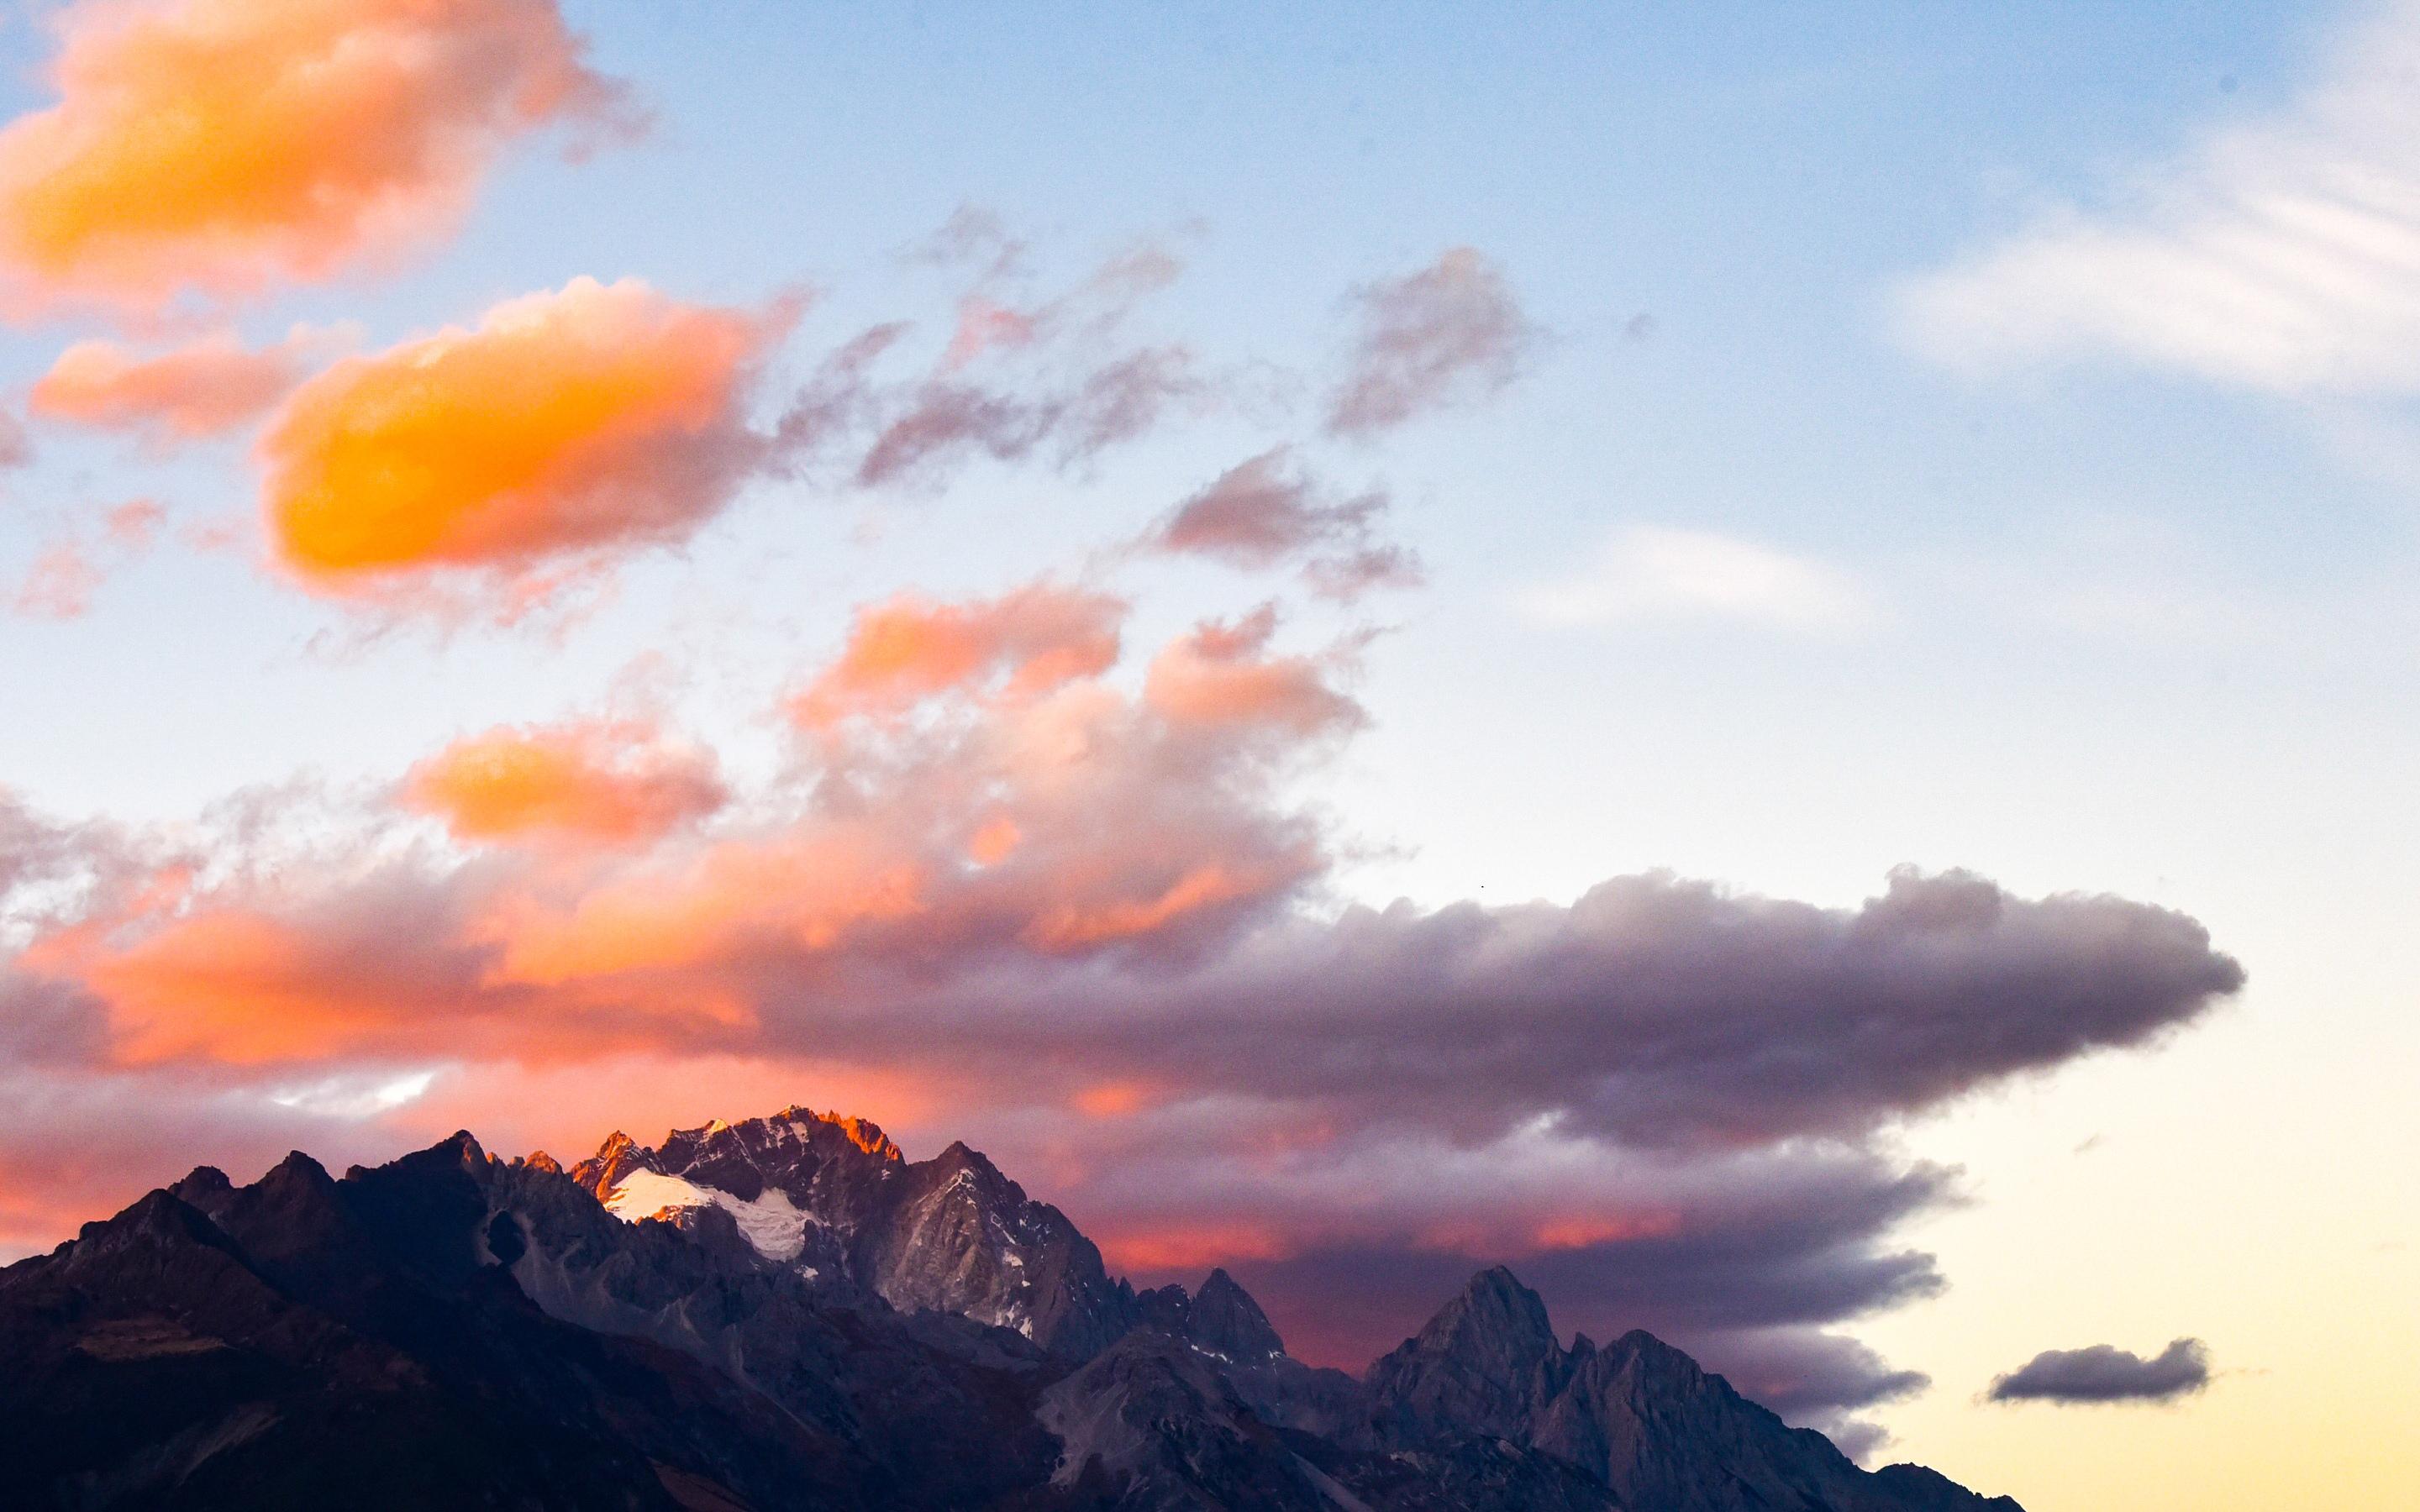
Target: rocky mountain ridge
<point>805,1319</point>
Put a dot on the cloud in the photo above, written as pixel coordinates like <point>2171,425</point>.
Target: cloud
<point>2104,1373</point>
<point>203,389</point>
<point>65,574</point>
<point>2282,254</point>
<point>565,427</point>
<point>930,428</point>
<point>982,822</point>
<point>1067,903</point>
<point>906,650</point>
<point>973,233</point>
<point>1649,573</point>
<point>1349,1240</point>
<point>1448,334</point>
<point>983,324</point>
<point>1221,674</point>
<point>218,146</point>
<point>77,1148</point>
<point>604,782</point>
<point>1267,510</point>
<point>1006,872</point>
<point>1053,379</point>
<point>60,583</point>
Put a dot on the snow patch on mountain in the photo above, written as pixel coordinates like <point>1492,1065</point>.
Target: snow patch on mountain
<point>772,1223</point>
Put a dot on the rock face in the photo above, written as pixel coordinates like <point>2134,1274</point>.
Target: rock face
<point>1637,1415</point>
<point>788,1314</point>
<point>1157,1416</point>
<point>833,1198</point>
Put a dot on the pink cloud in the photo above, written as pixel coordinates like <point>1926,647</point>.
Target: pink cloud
<point>907,649</point>
<point>204,388</point>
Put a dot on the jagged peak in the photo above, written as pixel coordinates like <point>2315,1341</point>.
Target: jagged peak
<point>1225,1318</point>
<point>1497,1297</point>
<point>156,1214</point>
<point>299,1172</point>
<point>793,1122</point>
<point>540,1161</point>
<point>1496,1325</point>
<point>961,1155</point>
<point>1639,1341</point>
<point>865,1133</point>
<point>203,1181</point>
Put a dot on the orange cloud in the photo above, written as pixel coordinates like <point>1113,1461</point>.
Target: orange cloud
<point>615,782</point>
<point>907,649</point>
<point>1075,819</point>
<point>994,842</point>
<point>1220,675</point>
<point>215,146</point>
<point>204,388</point>
<point>565,424</point>
<point>799,894</point>
<point>1116,1100</point>
<point>245,988</point>
<point>1183,1247</point>
<point>1078,926</point>
<point>1589,1230</point>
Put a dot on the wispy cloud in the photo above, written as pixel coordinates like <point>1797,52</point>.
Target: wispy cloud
<point>1268,510</point>
<point>2280,255</point>
<point>1450,333</point>
<point>1660,572</point>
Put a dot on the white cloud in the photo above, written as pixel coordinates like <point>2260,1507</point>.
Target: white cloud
<point>361,1096</point>
<point>1652,572</point>
<point>2283,255</point>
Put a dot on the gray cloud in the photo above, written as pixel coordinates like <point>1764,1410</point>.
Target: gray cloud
<point>1449,334</point>
<point>1653,1010</point>
<point>1267,509</point>
<point>2104,1373</point>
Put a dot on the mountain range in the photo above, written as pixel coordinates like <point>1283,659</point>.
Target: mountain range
<point>788,1313</point>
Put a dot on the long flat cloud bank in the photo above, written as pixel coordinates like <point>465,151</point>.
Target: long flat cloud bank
<point>1655,1010</point>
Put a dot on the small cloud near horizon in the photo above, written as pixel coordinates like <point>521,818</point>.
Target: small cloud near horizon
<point>1660,574</point>
<point>2102,1373</point>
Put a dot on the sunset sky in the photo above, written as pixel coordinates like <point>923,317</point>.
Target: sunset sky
<point>1761,660</point>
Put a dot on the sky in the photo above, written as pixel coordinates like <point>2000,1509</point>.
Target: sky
<point>1758,661</point>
